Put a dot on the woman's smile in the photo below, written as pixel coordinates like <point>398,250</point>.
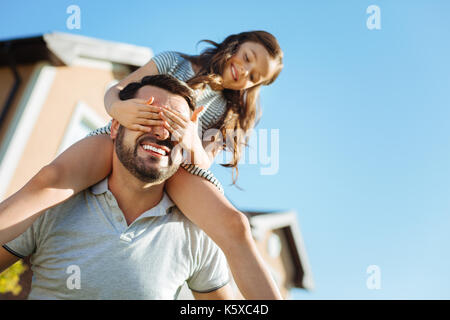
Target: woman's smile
<point>234,72</point>
<point>249,66</point>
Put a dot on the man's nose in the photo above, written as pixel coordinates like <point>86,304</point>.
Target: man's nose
<point>160,132</point>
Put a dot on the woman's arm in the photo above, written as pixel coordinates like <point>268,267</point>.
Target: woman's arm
<point>185,131</point>
<point>80,166</point>
<point>204,153</point>
<point>212,149</point>
<point>112,95</point>
<point>205,206</point>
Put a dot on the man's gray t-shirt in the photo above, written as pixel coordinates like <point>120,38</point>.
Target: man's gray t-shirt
<point>84,249</point>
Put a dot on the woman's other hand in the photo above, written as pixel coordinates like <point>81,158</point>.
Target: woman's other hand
<point>183,130</point>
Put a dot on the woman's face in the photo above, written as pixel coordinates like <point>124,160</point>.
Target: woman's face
<point>249,66</point>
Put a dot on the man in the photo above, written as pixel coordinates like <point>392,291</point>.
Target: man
<point>124,238</point>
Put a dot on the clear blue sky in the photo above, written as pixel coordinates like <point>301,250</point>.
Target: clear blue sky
<point>363,118</point>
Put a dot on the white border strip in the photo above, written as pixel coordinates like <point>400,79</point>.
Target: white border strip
<point>23,123</point>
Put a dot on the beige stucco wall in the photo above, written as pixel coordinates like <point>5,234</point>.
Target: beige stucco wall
<point>6,83</point>
<point>70,85</point>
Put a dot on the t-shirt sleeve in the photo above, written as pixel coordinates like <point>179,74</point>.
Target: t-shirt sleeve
<point>211,272</point>
<point>23,245</point>
<point>166,62</point>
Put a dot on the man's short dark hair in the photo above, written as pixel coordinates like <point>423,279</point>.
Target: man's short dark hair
<point>163,81</point>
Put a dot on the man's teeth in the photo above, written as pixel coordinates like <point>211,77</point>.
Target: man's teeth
<point>157,150</point>
<point>233,72</point>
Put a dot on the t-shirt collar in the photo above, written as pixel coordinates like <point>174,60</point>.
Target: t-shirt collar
<point>165,206</point>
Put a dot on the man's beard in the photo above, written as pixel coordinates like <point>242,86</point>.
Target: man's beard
<point>141,168</point>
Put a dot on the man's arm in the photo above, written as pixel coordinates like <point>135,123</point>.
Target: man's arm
<point>6,259</point>
<point>224,293</point>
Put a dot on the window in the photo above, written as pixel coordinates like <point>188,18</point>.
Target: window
<point>83,121</point>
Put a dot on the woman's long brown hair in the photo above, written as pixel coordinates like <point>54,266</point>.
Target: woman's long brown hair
<point>242,107</point>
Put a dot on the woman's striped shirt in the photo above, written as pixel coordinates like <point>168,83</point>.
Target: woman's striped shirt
<point>214,103</point>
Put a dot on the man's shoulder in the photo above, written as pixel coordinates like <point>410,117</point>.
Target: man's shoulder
<point>74,201</point>
<point>67,207</point>
<point>175,214</point>
<point>190,228</point>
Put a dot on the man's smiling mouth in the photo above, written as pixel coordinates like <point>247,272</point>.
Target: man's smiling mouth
<point>155,149</point>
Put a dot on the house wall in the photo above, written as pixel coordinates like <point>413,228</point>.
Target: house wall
<point>6,83</point>
<point>281,265</point>
<point>70,85</point>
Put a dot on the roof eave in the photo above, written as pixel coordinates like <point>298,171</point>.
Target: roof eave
<point>68,47</point>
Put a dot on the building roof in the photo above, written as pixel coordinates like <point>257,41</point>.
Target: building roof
<point>287,222</point>
<point>66,49</point>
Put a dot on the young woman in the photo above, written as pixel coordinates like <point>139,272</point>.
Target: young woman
<point>226,79</point>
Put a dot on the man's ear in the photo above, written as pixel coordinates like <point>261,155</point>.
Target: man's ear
<point>114,128</point>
